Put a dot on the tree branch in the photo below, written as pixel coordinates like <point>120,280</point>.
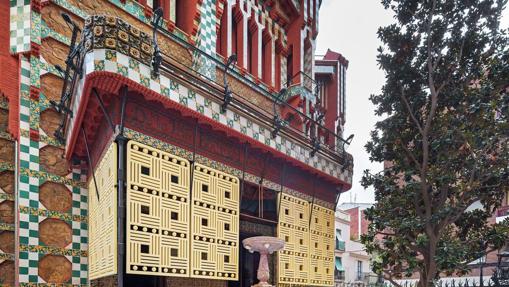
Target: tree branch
<point>409,109</point>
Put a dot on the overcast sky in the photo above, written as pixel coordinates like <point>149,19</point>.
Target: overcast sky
<point>349,27</point>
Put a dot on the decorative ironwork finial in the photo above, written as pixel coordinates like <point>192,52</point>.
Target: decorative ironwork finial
<point>227,93</point>
<point>156,56</point>
<point>278,122</point>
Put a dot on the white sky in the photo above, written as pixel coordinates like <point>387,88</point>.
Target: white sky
<point>349,27</point>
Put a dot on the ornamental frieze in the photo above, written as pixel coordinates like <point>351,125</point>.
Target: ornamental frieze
<point>109,32</point>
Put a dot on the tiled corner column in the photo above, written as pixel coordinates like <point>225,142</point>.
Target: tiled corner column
<point>70,253</point>
<point>19,26</point>
<point>206,39</point>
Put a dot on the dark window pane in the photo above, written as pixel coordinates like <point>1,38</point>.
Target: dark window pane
<point>145,170</point>
<point>250,200</point>
<point>269,198</point>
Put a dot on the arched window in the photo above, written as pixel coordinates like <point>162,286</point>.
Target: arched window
<point>249,51</point>
<point>234,37</point>
<point>267,58</point>
<point>185,11</point>
<point>222,35</point>
<point>289,67</point>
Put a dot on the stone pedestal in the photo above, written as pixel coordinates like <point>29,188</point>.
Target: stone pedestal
<point>265,245</point>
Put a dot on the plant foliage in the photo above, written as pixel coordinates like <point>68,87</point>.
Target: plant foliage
<point>444,138</point>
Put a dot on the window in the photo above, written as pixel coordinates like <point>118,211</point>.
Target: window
<point>250,53</point>
<point>234,37</point>
<point>222,35</point>
<point>289,68</point>
<point>340,244</point>
<point>259,202</point>
<point>266,61</point>
<point>359,270</point>
<point>339,270</point>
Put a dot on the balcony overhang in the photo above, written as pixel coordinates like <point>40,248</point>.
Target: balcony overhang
<point>110,63</point>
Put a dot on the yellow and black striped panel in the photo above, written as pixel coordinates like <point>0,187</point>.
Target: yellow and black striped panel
<point>157,223</point>
<point>321,237</point>
<point>102,230</point>
<point>293,229</point>
<point>214,224</point>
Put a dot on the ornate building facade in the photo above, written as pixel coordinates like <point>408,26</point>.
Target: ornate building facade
<point>142,141</point>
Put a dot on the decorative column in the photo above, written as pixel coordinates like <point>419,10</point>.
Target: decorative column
<point>241,20</point>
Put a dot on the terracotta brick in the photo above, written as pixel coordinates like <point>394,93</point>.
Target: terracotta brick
<point>7,241</point>
<point>55,196</point>
<point>7,273</point>
<point>4,120</point>
<point>50,120</point>
<point>7,212</point>
<point>55,269</point>
<point>6,150</point>
<point>7,181</point>
<point>55,232</point>
<point>51,14</point>
<point>54,52</point>
<point>51,86</point>
<point>9,79</point>
<point>52,160</point>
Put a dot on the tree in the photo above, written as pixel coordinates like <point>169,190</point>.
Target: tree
<point>444,138</point>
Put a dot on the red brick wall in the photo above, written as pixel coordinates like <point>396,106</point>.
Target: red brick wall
<point>355,216</point>
<point>9,80</point>
<point>354,222</point>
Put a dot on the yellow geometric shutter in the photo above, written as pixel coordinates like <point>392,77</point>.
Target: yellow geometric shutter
<point>157,223</point>
<point>322,247</point>
<point>293,261</point>
<point>102,229</point>
<point>215,224</point>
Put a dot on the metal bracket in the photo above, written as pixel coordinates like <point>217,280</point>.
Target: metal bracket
<point>156,57</point>
<point>73,62</point>
<point>89,160</point>
<point>228,97</point>
<point>103,108</point>
<point>315,143</point>
<point>277,122</point>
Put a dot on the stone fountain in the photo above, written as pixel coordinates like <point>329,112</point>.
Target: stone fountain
<point>264,245</point>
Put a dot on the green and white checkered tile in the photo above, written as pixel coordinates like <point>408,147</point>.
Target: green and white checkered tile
<point>206,39</point>
<point>29,229</point>
<point>79,270</point>
<point>28,271</point>
<point>19,26</point>
<point>79,228</point>
<point>105,60</point>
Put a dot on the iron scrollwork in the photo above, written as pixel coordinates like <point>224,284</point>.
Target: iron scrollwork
<point>72,72</point>
<point>277,123</point>
<point>228,97</point>
<point>156,56</point>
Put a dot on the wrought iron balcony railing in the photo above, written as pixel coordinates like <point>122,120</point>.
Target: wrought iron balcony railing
<point>204,73</point>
